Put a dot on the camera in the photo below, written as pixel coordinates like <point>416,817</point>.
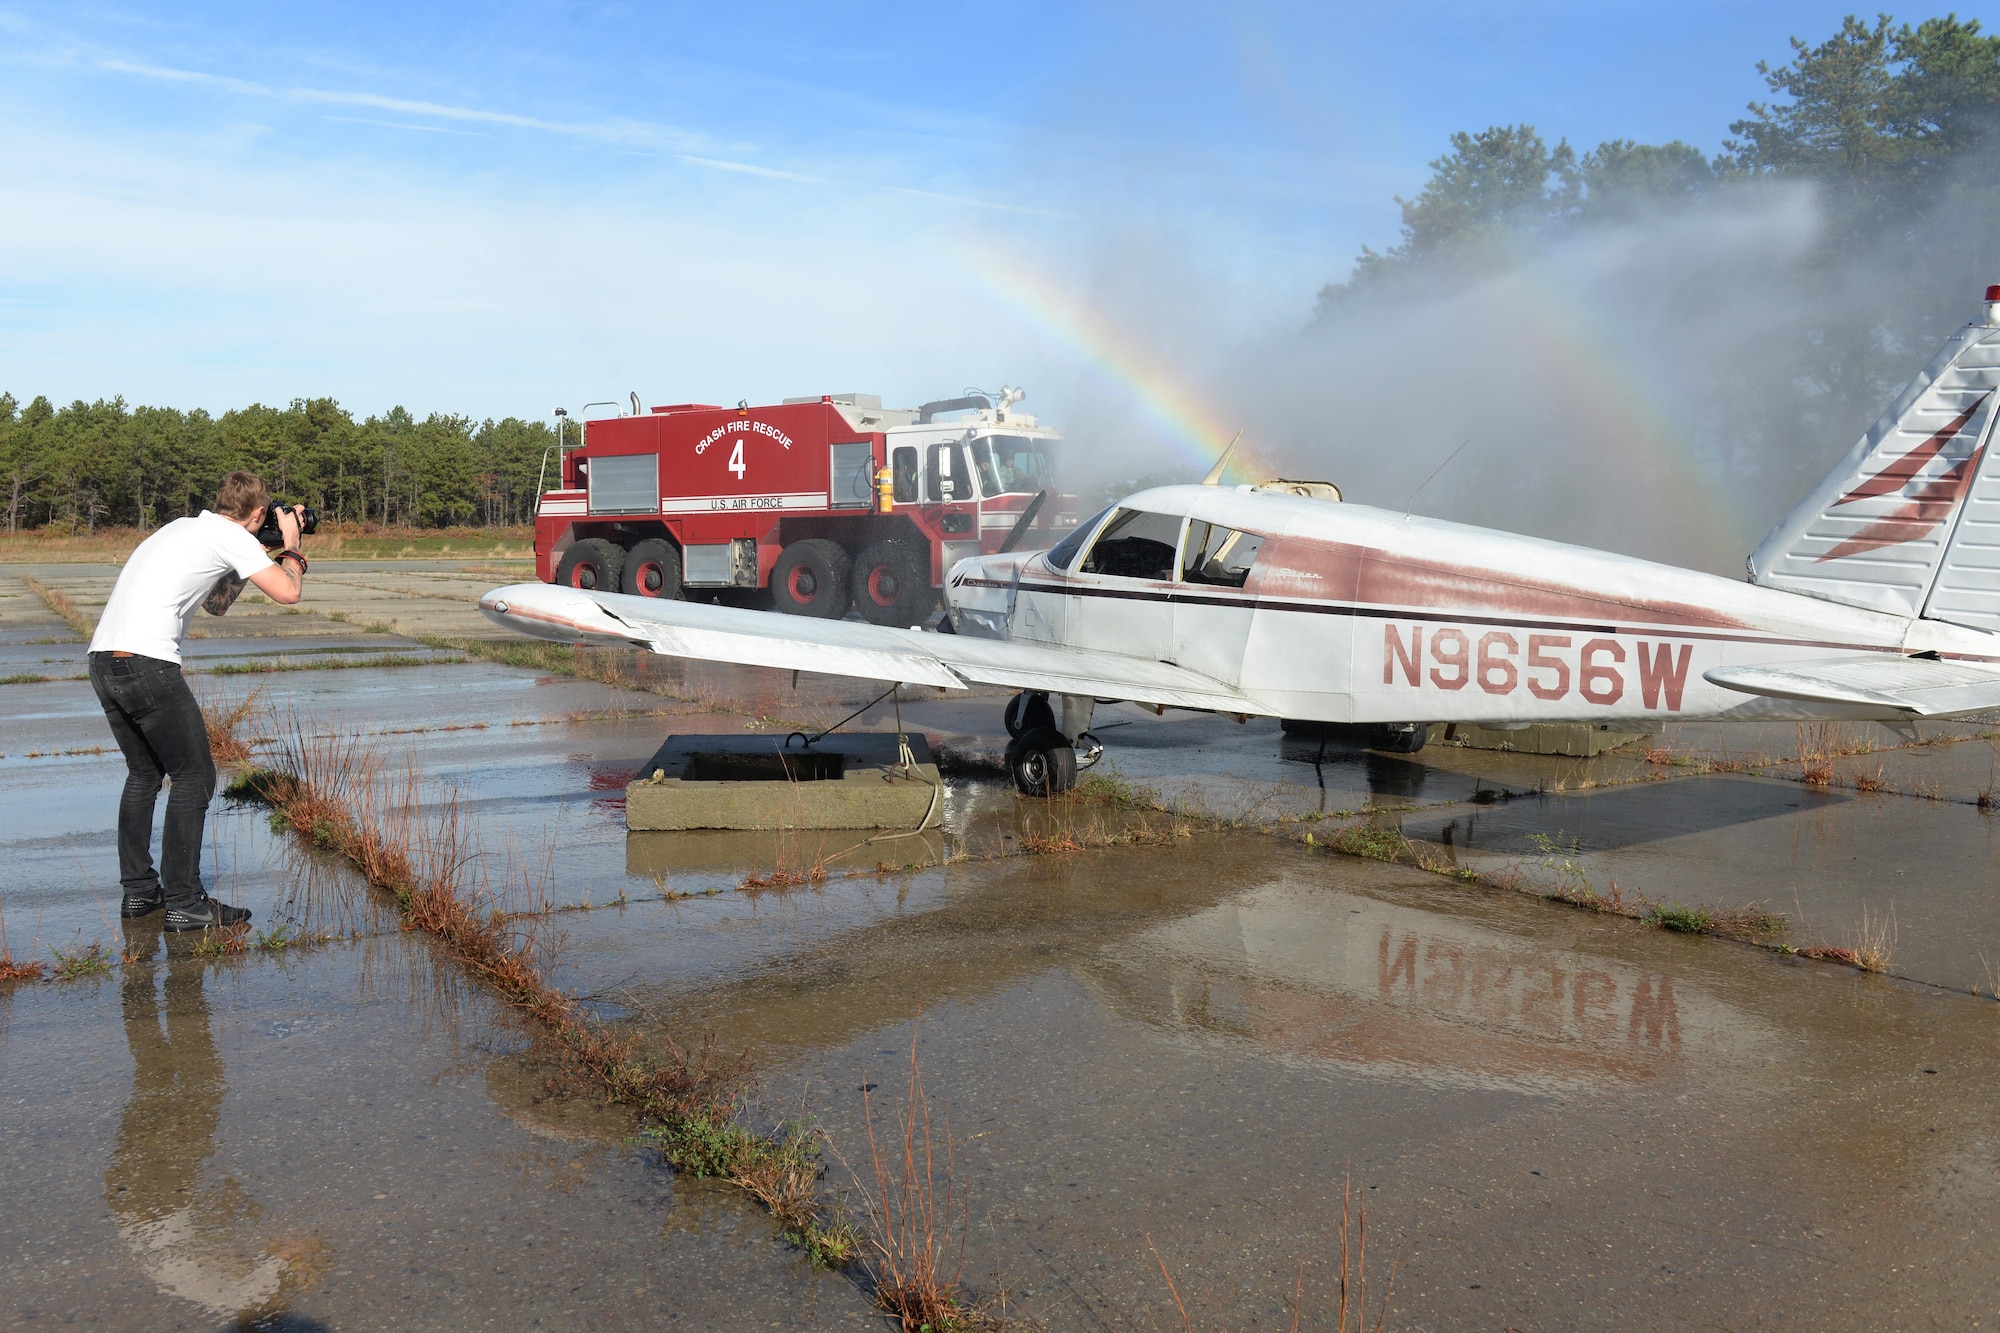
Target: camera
<point>272,535</point>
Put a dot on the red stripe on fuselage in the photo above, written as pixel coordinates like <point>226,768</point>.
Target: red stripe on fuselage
<point>1337,571</point>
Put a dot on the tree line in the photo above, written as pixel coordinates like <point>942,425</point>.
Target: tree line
<point>1893,129</point>
<point>106,463</point>
<point>1883,117</point>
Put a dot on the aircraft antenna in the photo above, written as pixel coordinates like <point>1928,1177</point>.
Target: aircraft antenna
<point>1214,477</point>
<point>1433,476</point>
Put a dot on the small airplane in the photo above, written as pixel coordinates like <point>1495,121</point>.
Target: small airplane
<point>1876,598</point>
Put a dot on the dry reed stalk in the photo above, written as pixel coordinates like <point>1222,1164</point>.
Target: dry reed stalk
<point>915,1267</point>
<point>1356,1278</point>
<point>26,970</point>
<point>1818,743</point>
<point>223,720</point>
<point>58,601</point>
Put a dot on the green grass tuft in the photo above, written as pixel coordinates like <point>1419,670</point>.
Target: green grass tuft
<point>1683,920</point>
<point>81,962</point>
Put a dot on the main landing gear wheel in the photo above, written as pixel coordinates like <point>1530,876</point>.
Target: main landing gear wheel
<point>592,564</point>
<point>653,569</point>
<point>889,586</point>
<point>810,579</point>
<point>1042,761</point>
<point>1400,738</point>
<point>1029,711</point>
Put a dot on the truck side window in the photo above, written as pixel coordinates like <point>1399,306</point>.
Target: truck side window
<point>1135,545</point>
<point>904,464</point>
<point>948,464</point>
<point>1219,556</point>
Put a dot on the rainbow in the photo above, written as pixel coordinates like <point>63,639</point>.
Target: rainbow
<point>1604,394</point>
<point>1196,427</point>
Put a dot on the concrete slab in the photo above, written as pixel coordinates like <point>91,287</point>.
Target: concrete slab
<point>850,780</point>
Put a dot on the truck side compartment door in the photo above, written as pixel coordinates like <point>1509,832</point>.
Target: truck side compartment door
<point>851,475</point>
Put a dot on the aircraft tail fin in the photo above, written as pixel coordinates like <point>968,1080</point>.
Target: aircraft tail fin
<point>1909,521</point>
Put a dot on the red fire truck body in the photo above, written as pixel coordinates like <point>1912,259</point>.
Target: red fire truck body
<point>827,503</point>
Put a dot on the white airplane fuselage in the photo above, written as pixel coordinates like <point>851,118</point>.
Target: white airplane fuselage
<point>1353,614</point>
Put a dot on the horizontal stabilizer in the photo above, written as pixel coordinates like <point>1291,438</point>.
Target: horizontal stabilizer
<point>844,648</point>
<point>1918,686</point>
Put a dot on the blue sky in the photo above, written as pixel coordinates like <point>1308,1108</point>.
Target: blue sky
<point>494,209</point>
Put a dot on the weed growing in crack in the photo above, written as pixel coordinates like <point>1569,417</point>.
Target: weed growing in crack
<point>1682,920</point>
<point>73,963</point>
<point>1353,1277</point>
<point>60,602</point>
<point>917,1222</point>
<point>224,721</point>
<point>1369,840</point>
<point>337,793</point>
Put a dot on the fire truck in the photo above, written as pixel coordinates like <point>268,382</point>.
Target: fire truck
<point>811,505</point>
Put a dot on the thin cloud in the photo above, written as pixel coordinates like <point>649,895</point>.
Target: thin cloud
<point>628,132</point>
<point>606,132</point>
<point>406,125</point>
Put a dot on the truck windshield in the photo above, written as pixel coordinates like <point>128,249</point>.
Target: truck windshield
<point>1010,464</point>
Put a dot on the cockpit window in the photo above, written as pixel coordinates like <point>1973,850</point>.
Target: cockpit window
<point>1064,552</point>
<point>1011,464</point>
<point>1219,556</point>
<point>1136,545</point>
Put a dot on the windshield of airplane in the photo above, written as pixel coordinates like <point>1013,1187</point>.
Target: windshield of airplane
<point>1064,551</point>
<point>1135,545</point>
<point>1010,464</point>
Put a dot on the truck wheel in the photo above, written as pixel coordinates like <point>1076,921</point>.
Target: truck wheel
<point>810,579</point>
<point>1042,761</point>
<point>592,565</point>
<point>1029,711</point>
<point>888,586</point>
<point>653,569</point>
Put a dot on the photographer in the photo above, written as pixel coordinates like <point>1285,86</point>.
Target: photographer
<point>135,667</point>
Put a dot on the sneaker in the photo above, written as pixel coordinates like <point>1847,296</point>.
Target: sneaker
<point>143,904</point>
<point>206,914</point>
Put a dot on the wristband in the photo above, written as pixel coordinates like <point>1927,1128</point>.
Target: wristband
<point>295,555</point>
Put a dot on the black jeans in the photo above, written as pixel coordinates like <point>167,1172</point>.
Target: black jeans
<point>160,730</point>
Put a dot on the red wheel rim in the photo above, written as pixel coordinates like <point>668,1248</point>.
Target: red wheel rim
<point>883,585</point>
<point>584,576</point>
<point>652,579</point>
<point>802,583</point>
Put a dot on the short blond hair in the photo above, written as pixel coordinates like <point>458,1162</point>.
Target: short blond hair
<point>241,495</point>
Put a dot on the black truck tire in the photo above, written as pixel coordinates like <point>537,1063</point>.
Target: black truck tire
<point>810,579</point>
<point>653,569</point>
<point>592,564</point>
<point>1042,761</point>
<point>890,586</point>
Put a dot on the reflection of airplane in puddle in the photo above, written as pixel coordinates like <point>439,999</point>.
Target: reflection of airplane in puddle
<point>1355,982</point>
<point>1878,597</point>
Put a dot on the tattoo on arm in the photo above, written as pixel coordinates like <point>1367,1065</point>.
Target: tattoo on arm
<point>223,595</point>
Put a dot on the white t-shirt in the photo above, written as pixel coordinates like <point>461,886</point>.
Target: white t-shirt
<point>166,581</point>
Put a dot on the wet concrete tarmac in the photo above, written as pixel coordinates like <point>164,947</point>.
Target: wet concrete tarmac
<point>1557,1119</point>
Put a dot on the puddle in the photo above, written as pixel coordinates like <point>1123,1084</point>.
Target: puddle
<point>1549,1114</point>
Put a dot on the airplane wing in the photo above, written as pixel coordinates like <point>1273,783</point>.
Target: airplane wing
<point>1919,686</point>
<point>844,648</point>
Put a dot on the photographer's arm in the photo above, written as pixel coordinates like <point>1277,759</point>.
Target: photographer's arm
<point>285,581</point>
